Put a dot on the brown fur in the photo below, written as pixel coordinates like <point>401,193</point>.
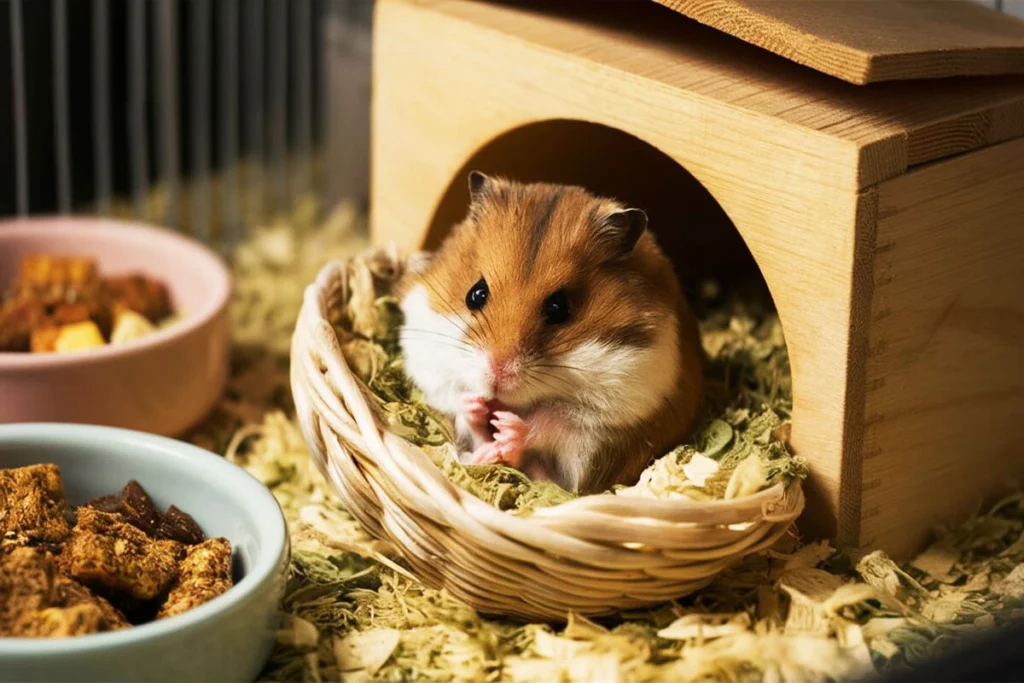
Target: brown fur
<point>528,241</point>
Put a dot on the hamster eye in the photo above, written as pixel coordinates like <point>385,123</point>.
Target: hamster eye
<point>477,295</point>
<point>556,308</point>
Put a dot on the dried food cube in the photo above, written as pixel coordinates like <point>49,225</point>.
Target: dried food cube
<point>64,622</point>
<point>18,317</point>
<point>69,593</point>
<point>70,313</point>
<point>111,503</point>
<point>106,551</point>
<point>139,509</point>
<point>140,294</point>
<point>37,602</point>
<point>88,307</point>
<point>45,271</point>
<point>204,574</point>
<point>26,586</point>
<point>44,339</point>
<point>135,505</point>
<point>79,336</point>
<point>179,526</point>
<point>32,505</point>
<point>130,325</point>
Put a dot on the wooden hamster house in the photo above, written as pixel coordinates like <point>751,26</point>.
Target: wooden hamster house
<point>887,218</point>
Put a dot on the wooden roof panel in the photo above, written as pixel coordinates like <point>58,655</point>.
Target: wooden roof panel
<point>869,41</point>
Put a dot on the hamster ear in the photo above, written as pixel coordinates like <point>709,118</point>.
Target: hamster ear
<point>480,185</point>
<point>622,229</point>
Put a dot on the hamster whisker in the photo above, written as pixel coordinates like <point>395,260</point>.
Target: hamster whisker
<point>536,374</point>
<point>487,322</point>
<point>540,380</point>
<point>466,328</point>
<point>461,349</point>
<point>559,367</point>
<point>435,333</point>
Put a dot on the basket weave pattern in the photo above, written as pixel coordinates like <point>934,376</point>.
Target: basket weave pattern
<point>594,555</point>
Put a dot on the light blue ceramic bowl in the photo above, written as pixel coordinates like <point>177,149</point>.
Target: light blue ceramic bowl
<point>226,639</point>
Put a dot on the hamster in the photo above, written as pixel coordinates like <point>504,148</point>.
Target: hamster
<point>553,329</point>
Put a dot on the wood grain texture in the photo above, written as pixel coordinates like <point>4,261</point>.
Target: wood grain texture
<point>869,41</point>
<point>945,373</point>
<point>890,125</point>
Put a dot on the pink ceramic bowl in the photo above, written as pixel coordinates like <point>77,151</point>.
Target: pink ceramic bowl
<point>163,383</point>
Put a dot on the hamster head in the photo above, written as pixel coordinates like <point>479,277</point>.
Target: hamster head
<point>544,294</point>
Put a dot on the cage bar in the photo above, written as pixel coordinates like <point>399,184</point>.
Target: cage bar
<point>228,132</point>
<point>137,106</point>
<point>199,74</point>
<point>61,106</point>
<point>165,29</point>
<point>278,109</point>
<point>302,44</point>
<point>329,40</point>
<point>254,97</point>
<point>101,105</point>
<point>18,102</point>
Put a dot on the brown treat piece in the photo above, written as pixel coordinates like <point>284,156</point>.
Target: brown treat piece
<point>68,313</point>
<point>106,551</point>
<point>18,317</point>
<point>139,509</point>
<point>32,504</point>
<point>179,526</point>
<point>68,593</point>
<point>63,622</point>
<point>111,503</point>
<point>140,294</point>
<point>44,339</point>
<point>26,586</point>
<point>204,574</point>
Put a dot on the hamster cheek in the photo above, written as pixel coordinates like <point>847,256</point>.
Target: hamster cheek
<point>439,357</point>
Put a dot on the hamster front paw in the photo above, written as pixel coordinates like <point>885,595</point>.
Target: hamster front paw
<point>509,444</point>
<point>475,410</point>
<point>471,427</point>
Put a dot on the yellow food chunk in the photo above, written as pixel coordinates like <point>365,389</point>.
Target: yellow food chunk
<point>130,325</point>
<point>79,336</point>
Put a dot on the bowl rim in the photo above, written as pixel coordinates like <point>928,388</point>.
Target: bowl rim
<point>273,529</point>
<point>201,257</point>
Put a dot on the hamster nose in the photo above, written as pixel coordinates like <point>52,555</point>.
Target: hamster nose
<point>502,372</point>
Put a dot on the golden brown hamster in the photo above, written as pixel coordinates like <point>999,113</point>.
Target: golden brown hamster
<point>553,328</point>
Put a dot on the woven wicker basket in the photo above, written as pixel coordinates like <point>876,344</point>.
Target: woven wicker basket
<point>594,555</point>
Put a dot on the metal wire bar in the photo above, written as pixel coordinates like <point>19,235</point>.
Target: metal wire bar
<point>327,101</point>
<point>254,96</point>
<point>137,105</point>
<point>228,106</point>
<point>101,106</point>
<point>165,29</point>
<point>199,74</point>
<point>18,101</point>
<point>302,44</point>
<point>62,136</point>
<point>278,107</point>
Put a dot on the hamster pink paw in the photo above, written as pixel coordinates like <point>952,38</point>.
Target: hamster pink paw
<point>476,411</point>
<point>509,442</point>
